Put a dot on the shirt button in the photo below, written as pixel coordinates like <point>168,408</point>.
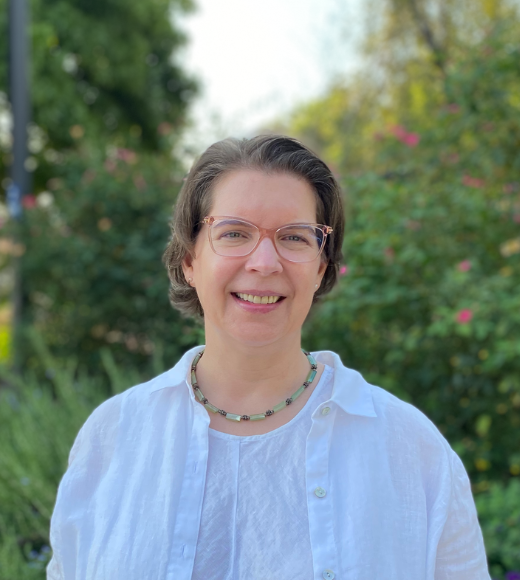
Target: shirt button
<point>320,492</point>
<point>328,575</point>
<point>325,411</point>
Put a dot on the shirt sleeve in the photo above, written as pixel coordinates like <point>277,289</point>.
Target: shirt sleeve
<point>461,554</point>
<point>88,460</point>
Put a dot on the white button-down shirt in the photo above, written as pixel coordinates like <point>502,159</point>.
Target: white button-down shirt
<point>386,495</point>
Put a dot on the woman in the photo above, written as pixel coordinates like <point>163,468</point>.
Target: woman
<point>252,459</point>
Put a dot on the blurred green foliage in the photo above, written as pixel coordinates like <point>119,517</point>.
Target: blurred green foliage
<point>108,103</point>
<point>428,306</point>
<point>38,423</point>
<point>92,266</point>
<point>499,514</point>
<point>108,68</point>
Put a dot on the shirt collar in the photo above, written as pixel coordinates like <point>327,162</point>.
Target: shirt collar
<point>350,390</point>
<point>179,374</point>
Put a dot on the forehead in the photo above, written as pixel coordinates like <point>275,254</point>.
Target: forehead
<point>266,199</point>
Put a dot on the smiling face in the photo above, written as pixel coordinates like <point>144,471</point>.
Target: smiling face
<point>226,285</point>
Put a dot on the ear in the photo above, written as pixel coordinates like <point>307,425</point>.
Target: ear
<point>187,267</point>
<point>321,271</point>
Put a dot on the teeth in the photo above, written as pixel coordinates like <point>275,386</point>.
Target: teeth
<point>258,299</point>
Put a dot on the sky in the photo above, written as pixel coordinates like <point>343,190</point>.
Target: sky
<point>256,61</point>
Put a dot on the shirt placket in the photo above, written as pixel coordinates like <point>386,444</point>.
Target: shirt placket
<point>319,497</point>
<point>184,544</point>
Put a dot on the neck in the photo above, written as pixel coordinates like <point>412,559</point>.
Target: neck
<point>246,377</point>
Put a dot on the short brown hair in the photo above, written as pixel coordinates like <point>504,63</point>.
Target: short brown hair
<point>267,153</point>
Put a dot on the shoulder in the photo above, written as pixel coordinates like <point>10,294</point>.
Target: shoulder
<point>400,426</point>
<point>404,418</point>
<point>99,432</point>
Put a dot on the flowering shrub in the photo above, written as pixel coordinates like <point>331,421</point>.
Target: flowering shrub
<point>92,271</point>
<point>430,308</point>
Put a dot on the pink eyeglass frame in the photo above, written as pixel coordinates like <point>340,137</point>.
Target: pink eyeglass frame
<point>266,232</point>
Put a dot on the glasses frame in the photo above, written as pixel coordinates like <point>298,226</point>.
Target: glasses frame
<point>266,232</point>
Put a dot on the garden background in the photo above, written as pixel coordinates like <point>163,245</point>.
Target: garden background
<point>425,139</point>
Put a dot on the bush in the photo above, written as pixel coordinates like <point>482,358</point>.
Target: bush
<point>38,425</point>
<point>499,515</point>
<point>428,306</point>
<point>92,274</point>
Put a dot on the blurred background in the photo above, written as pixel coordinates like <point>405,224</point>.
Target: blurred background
<point>416,106</point>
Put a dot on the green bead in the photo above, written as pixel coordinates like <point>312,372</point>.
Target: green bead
<point>310,377</point>
<point>193,378</point>
<point>211,407</point>
<point>199,394</point>
<point>233,417</point>
<point>311,360</point>
<point>280,406</point>
<point>257,417</point>
<point>298,393</point>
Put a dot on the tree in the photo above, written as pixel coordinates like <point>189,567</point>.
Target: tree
<point>109,101</point>
<point>428,306</point>
<point>105,70</point>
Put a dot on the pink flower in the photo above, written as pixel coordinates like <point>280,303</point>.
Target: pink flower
<point>400,132</point>
<point>389,253</point>
<point>453,108</point>
<point>127,155</point>
<point>343,270</point>
<point>411,139</point>
<point>464,266</point>
<point>464,316</point>
<point>516,218</point>
<point>473,182</point>
<point>29,201</point>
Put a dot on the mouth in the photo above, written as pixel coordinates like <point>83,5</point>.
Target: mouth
<point>255,299</point>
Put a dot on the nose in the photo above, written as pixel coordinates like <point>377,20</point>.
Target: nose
<point>265,259</point>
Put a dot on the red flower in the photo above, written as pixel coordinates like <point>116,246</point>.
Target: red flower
<point>411,139</point>
<point>29,201</point>
<point>464,266</point>
<point>464,316</point>
<point>473,182</point>
<point>127,155</point>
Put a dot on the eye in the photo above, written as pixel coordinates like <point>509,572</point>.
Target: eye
<point>295,238</point>
<point>230,235</point>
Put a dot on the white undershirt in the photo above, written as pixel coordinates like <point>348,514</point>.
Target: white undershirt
<point>254,520</point>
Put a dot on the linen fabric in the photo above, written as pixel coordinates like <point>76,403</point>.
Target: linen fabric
<point>254,521</point>
<point>386,496</point>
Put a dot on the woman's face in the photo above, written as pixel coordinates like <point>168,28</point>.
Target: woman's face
<point>268,201</point>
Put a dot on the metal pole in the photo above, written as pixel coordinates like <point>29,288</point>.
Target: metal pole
<point>20,182</point>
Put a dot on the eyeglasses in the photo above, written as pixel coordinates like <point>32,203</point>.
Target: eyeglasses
<point>234,238</point>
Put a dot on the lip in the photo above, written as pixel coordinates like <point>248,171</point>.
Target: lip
<point>259,292</point>
<point>257,308</point>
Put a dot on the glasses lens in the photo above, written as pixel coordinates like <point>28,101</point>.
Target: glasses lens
<point>232,237</point>
<point>299,243</point>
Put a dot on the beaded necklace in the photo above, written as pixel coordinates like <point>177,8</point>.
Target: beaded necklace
<point>259,416</point>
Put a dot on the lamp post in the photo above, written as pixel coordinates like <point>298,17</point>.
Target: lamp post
<point>19,98</point>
